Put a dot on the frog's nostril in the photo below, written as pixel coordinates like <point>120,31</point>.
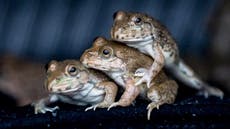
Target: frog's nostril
<point>68,88</point>
<point>50,89</point>
<point>117,36</point>
<point>91,53</point>
<point>58,79</point>
<point>83,61</point>
<point>82,58</point>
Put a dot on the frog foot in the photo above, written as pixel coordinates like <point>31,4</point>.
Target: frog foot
<point>44,109</point>
<point>146,76</point>
<point>140,72</point>
<point>92,107</point>
<point>211,91</point>
<point>151,106</point>
<point>114,105</point>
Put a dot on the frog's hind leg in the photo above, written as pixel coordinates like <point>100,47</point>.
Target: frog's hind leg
<point>160,94</point>
<point>184,73</point>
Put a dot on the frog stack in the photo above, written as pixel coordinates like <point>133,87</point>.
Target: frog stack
<point>125,59</point>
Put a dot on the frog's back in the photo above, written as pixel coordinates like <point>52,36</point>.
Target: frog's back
<point>135,60</point>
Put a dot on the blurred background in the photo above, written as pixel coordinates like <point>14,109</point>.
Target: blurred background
<point>34,32</point>
<point>47,29</point>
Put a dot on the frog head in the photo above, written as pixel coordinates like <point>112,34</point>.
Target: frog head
<point>104,56</point>
<point>65,76</point>
<point>132,27</point>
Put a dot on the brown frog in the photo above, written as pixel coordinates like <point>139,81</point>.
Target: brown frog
<point>145,33</point>
<point>21,79</point>
<point>120,62</point>
<point>70,82</point>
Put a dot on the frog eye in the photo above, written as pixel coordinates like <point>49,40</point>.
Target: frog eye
<point>106,52</point>
<point>137,20</point>
<point>72,70</point>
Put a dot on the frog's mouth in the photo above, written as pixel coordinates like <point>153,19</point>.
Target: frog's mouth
<point>134,42</point>
<point>108,67</point>
<point>128,39</point>
<point>133,34</point>
<point>65,87</point>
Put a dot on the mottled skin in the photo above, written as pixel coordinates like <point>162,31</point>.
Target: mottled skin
<point>120,62</point>
<point>70,82</point>
<point>145,33</point>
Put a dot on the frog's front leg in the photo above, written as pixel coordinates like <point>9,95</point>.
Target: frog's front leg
<point>160,94</point>
<point>156,53</point>
<point>129,95</point>
<point>110,95</point>
<point>41,105</point>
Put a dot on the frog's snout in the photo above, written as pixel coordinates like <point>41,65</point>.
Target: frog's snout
<point>112,33</point>
<point>83,59</point>
<point>49,88</point>
<point>86,56</point>
<point>115,33</point>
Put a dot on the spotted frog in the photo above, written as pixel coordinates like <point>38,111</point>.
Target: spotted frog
<point>70,82</point>
<point>120,63</point>
<point>149,36</point>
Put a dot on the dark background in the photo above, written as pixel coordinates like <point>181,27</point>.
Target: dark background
<point>59,29</point>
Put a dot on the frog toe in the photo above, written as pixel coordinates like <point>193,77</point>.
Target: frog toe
<point>52,109</point>
<point>140,72</point>
<point>146,78</point>
<point>91,107</point>
<point>44,109</point>
<point>113,105</point>
<point>211,91</point>
<point>150,107</point>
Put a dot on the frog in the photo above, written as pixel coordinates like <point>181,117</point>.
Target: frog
<point>120,62</point>
<point>70,82</point>
<point>149,36</point>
